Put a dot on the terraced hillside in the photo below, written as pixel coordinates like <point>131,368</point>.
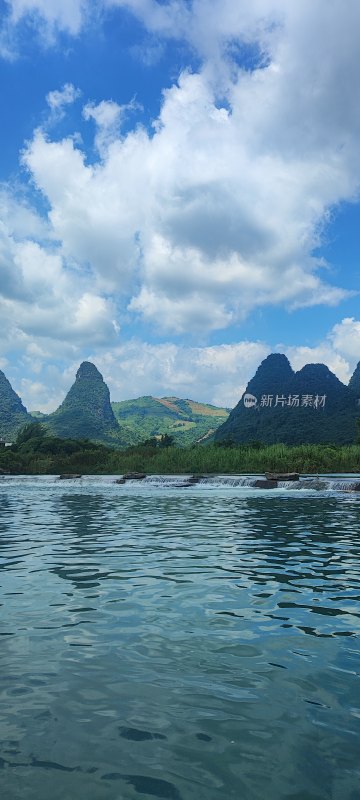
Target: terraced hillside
<point>186,420</point>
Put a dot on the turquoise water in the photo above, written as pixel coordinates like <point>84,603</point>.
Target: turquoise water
<point>159,642</point>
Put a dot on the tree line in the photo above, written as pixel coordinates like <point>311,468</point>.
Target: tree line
<point>38,453</point>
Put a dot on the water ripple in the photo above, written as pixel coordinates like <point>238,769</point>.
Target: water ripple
<point>161,643</point>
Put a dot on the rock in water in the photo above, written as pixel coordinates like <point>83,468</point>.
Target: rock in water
<point>86,412</point>
<point>282,406</point>
<point>282,476</point>
<point>13,415</point>
<point>263,483</point>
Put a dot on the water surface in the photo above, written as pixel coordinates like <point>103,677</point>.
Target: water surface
<point>159,642</point>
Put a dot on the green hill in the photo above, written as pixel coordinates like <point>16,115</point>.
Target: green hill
<point>186,420</point>
<point>354,384</point>
<point>86,411</point>
<point>310,406</point>
<point>13,415</point>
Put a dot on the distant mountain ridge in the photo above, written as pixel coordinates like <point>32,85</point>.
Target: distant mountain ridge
<point>309,406</point>
<point>279,405</point>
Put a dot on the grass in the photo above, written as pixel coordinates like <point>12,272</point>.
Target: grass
<point>37,453</point>
<point>238,460</point>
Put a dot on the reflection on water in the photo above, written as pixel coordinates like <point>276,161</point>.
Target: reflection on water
<point>170,644</point>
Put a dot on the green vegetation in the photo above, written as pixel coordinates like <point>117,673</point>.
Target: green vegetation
<point>13,415</point>
<point>237,460</point>
<point>36,452</point>
<point>185,420</point>
<point>332,419</point>
<point>310,406</point>
<point>86,411</point>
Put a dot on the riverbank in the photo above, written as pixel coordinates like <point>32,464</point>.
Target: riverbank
<point>49,456</point>
<point>304,459</point>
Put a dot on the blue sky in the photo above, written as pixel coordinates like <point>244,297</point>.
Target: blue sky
<point>179,192</point>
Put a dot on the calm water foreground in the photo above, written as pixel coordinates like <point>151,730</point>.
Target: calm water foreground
<point>159,642</point>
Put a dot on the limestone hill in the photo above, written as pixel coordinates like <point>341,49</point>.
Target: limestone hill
<point>354,384</point>
<point>280,405</point>
<point>86,412</point>
<point>13,415</point>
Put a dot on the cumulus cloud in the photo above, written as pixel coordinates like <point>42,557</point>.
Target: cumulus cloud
<point>91,210</point>
<point>215,374</point>
<point>345,336</point>
<point>42,297</point>
<point>321,354</point>
<point>340,350</point>
<point>180,315</point>
<point>214,211</point>
<point>37,396</point>
<point>108,117</point>
<point>18,218</point>
<point>46,368</point>
<point>225,201</point>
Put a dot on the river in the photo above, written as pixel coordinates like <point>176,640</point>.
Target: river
<point>196,643</point>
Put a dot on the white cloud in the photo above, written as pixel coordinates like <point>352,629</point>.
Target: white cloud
<point>106,114</point>
<point>215,211</point>
<point>322,354</point>
<point>58,99</point>
<point>108,117</point>
<point>65,15</point>
<point>43,298</point>
<point>44,20</point>
<point>92,209</point>
<point>18,218</point>
<point>340,350</point>
<point>219,209</point>
<point>191,315</point>
<point>216,374</point>
<point>37,396</point>
<point>345,336</point>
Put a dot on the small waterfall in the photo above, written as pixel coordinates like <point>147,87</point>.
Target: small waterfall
<point>219,481</point>
<point>294,485</point>
<point>322,483</point>
<point>345,485</point>
<point>185,481</point>
<point>163,480</point>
